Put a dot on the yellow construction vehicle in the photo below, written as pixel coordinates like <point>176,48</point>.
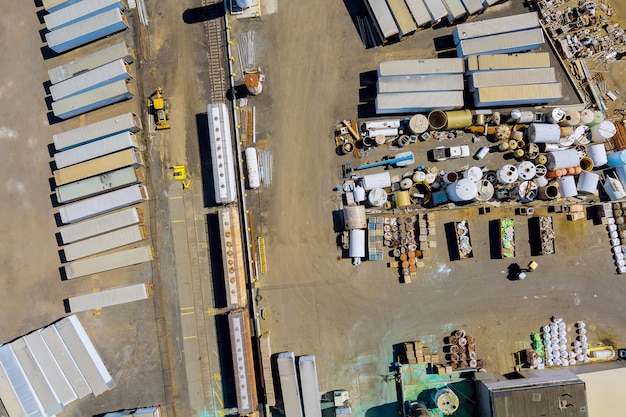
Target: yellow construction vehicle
<point>157,105</point>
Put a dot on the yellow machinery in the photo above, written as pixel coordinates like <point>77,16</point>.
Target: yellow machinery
<point>159,108</point>
<point>180,174</point>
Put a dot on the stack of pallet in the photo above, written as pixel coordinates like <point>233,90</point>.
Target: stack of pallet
<point>266,365</point>
<point>417,354</point>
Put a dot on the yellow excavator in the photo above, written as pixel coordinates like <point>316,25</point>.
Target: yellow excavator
<point>157,104</point>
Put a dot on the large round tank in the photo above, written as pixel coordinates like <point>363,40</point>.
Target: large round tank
<point>549,191</point>
<point>588,182</point>
<point>485,190</point>
<point>458,119</point>
<point>403,198</point>
<point>598,117</point>
<point>555,116</point>
<point>419,177</point>
<point>474,173</point>
<point>507,174</point>
<point>522,117</point>
<point>253,83</point>
<point>572,118</point>
<point>544,133</point>
<point>447,401</point>
<point>430,178</point>
<point>418,124</point>
<point>377,197</point>
<point>437,119</point>
<point>462,190</point>
<point>252,167</point>
<point>616,159</point>
<point>586,117</point>
<point>406,183</point>
<point>567,185</point>
<point>597,153</point>
<point>357,243</point>
<point>603,131</point>
<point>354,217</point>
<point>526,170</point>
<point>380,180</point>
<point>566,158</point>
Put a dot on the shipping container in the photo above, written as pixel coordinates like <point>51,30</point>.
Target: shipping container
<point>46,396</point>
<point>416,102</point>
<point>419,11</point>
<point>92,186</point>
<point>85,354</point>
<point>402,16</point>
<point>421,67</point>
<point>99,225</point>
<point>382,19</point>
<point>222,153</point>
<point>408,83</point>
<point>50,369</point>
<point>79,11</point>
<point>103,203</point>
<point>517,94</point>
<point>19,383</point>
<point>243,362</point>
<point>511,77</point>
<point>95,149</point>
<point>86,31</point>
<point>90,80</point>
<point>125,122</point>
<point>65,360</point>
<point>111,297</point>
<point>507,61</point>
<point>502,43</point>
<point>93,99</point>
<point>437,10</point>
<point>473,6</point>
<point>105,242</point>
<point>9,397</point>
<point>97,166</point>
<point>495,26</point>
<point>310,389</point>
<point>456,10</point>
<point>52,6</point>
<point>286,363</point>
<point>108,262</point>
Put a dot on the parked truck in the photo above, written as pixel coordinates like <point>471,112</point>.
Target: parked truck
<point>103,203</point>
<point>105,242</point>
<point>102,183</point>
<point>110,297</point>
<point>124,122</point>
<point>99,225</point>
<point>79,11</point>
<point>92,79</point>
<point>95,149</point>
<point>97,166</point>
<point>90,100</point>
<point>108,262</point>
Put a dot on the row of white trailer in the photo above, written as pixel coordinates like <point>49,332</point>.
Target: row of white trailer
<point>43,372</point>
<point>299,399</point>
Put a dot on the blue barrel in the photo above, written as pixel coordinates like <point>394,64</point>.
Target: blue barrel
<point>617,159</point>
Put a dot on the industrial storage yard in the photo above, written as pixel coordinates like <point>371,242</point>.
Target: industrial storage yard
<point>234,278</point>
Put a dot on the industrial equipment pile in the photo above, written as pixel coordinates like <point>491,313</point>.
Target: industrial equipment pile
<point>612,214</point>
<point>461,351</point>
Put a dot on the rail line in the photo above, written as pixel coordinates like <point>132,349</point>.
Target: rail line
<point>215,29</point>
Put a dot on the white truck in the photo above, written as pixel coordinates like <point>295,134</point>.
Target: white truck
<point>441,153</point>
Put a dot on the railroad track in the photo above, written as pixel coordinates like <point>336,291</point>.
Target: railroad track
<point>215,29</point>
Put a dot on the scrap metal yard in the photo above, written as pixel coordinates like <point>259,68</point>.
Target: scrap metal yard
<point>211,249</point>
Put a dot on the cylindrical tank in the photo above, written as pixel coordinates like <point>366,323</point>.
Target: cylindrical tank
<point>586,163</point>
<point>603,131</point>
<point>567,185</point>
<point>587,182</point>
<point>406,183</point>
<point>474,173</point>
<point>586,117</point>
<point>507,174</point>
<point>418,124</point>
<point>566,158</point>
<point>462,190</point>
<point>380,140</point>
<point>548,192</point>
<point>359,194</point>
<point>526,170</point>
<point>503,132</point>
<point>419,177</point>
<point>430,178</point>
<point>354,217</point>
<point>541,181</point>
<point>377,197</point>
<point>598,117</point>
<point>346,148</point>
<point>403,198</point>
<point>616,159</point>
<point>522,117</point>
<point>597,153</point>
<point>253,83</point>
<point>544,133</point>
<point>503,146</point>
<point>437,119</point>
<point>572,118</point>
<point>482,152</point>
<point>446,401</point>
<point>458,119</point>
<point>485,190</point>
<point>380,180</point>
<point>567,131</point>
<point>555,116</point>
<point>450,177</point>
<point>357,243</point>
<point>252,166</point>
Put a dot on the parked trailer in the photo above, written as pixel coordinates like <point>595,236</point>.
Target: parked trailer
<point>456,10</point>
<point>310,388</point>
<point>105,242</point>
<point>85,31</point>
<point>222,153</point>
<point>289,384</point>
<point>103,203</point>
<point>385,26</point>
<point>502,43</point>
<point>437,10</point>
<point>416,102</point>
<point>95,149</point>
<point>9,397</point>
<point>408,83</point>
<point>111,297</point>
<point>243,362</point>
<point>125,122</point>
<point>473,6</point>
<point>495,26</point>
<point>108,262</point>
<point>402,16</point>
<point>52,6</point>
<point>46,396</point>
<point>419,11</point>
<point>79,11</point>
<point>507,61</point>
<point>90,80</point>
<point>421,67</point>
<point>97,166</point>
<point>19,383</point>
<point>514,95</point>
<point>93,99</point>
<point>85,354</point>
<point>100,225</point>
<point>92,186</point>
<point>511,77</point>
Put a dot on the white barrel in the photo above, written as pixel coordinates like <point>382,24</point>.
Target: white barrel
<point>380,180</point>
<point>555,116</point>
<point>603,131</point>
<point>586,117</point>
<point>406,183</point>
<point>541,181</point>
<point>252,166</point>
<point>522,116</point>
<point>418,124</point>
<point>482,152</point>
<point>462,190</point>
<point>526,170</point>
<point>572,118</point>
<point>430,178</point>
<point>419,177</point>
<point>544,133</point>
<point>359,194</point>
<point>357,243</point>
<point>507,174</point>
<point>377,197</point>
<point>567,184</point>
<point>597,153</point>
<point>588,182</point>
<point>566,158</point>
<point>474,173</point>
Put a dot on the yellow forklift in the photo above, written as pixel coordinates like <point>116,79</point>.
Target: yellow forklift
<point>157,105</point>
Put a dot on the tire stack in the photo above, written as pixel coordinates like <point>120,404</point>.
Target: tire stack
<point>461,351</point>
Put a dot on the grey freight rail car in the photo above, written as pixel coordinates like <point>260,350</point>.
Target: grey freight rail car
<point>103,203</point>
<point>106,74</point>
<point>222,153</point>
<point>102,183</point>
<point>95,149</point>
<point>124,122</point>
<point>92,99</point>
<point>85,31</point>
<point>243,363</point>
<point>108,262</point>
<point>105,242</point>
<point>99,225</point>
<point>111,297</point>
<point>79,11</point>
<point>289,384</point>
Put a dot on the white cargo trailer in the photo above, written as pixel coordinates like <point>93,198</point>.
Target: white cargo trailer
<point>108,262</point>
<point>477,29</point>
<point>105,242</point>
<point>502,43</point>
<point>91,61</point>
<point>95,149</point>
<point>456,10</point>
<point>511,77</point>
<point>85,354</point>
<point>19,383</point>
<point>125,122</point>
<point>97,166</point>
<point>416,102</point>
<point>97,77</point>
<point>310,389</point>
<point>408,83</point>
<point>421,67</point>
<point>9,398</point>
<point>103,203</point>
<point>437,10</point>
<point>79,11</point>
<point>385,26</point>
<point>111,297</point>
<point>514,95</point>
<point>222,153</point>
<point>99,225</point>
<point>53,5</point>
<point>402,16</point>
<point>419,11</point>
<point>289,384</point>
<point>507,61</point>
<point>473,6</point>
<point>89,100</point>
<point>102,183</point>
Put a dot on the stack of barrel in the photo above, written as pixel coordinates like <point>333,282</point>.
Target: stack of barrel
<point>461,351</point>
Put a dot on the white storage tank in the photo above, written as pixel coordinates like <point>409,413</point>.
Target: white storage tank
<point>544,133</point>
<point>567,185</point>
<point>380,180</point>
<point>354,217</point>
<point>359,194</point>
<point>377,197</point>
<point>603,131</point>
<point>597,153</point>
<point>474,173</point>
<point>566,158</point>
<point>588,182</point>
<point>252,167</point>
<point>357,243</point>
<point>462,190</point>
<point>507,174</point>
<point>526,170</point>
